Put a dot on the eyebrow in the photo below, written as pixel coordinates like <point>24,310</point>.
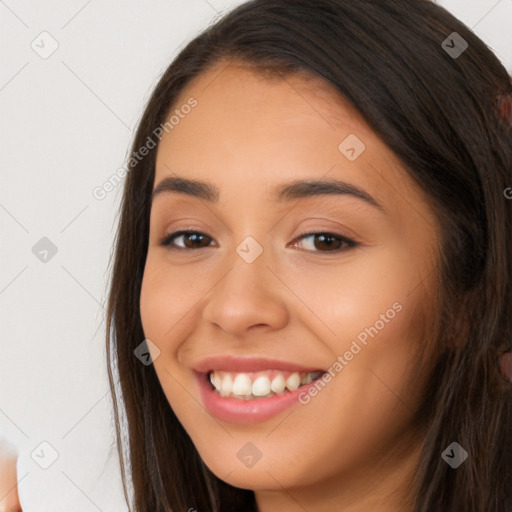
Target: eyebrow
<point>297,189</point>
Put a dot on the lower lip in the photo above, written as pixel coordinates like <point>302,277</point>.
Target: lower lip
<point>234,410</point>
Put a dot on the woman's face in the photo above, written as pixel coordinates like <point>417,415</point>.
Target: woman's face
<point>263,305</point>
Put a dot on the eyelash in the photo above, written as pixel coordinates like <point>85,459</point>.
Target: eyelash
<point>168,240</point>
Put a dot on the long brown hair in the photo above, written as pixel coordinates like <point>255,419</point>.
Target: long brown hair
<point>437,112</point>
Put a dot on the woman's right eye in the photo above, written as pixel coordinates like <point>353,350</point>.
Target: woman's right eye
<point>188,238</point>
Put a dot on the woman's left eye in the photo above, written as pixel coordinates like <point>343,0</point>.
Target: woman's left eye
<point>326,242</point>
<point>318,241</point>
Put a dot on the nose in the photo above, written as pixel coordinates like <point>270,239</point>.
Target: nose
<point>249,295</point>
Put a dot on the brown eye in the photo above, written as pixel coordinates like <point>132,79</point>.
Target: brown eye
<point>190,240</point>
<point>325,242</point>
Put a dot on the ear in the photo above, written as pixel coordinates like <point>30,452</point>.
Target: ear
<point>504,106</point>
<point>505,365</point>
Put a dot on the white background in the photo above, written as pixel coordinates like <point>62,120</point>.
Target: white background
<point>66,123</point>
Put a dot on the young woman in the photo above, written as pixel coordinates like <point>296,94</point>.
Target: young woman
<point>314,253</point>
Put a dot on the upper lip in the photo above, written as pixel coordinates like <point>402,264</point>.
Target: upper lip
<point>248,364</point>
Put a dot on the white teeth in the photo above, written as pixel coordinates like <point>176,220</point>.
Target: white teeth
<point>261,386</point>
<point>227,385</point>
<point>293,381</point>
<point>241,385</point>
<point>216,380</point>
<point>278,384</point>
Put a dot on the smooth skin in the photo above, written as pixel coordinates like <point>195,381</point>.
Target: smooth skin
<point>350,448</point>
<point>9,499</point>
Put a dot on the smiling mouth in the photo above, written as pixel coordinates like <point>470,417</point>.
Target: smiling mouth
<point>257,385</point>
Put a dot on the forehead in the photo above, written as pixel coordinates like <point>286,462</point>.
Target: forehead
<point>250,129</point>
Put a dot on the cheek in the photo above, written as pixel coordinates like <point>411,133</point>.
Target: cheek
<point>369,312</point>
<point>169,294</point>
<point>340,300</point>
